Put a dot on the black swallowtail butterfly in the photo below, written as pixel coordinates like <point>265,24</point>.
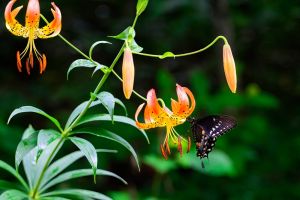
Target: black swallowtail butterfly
<point>206,131</point>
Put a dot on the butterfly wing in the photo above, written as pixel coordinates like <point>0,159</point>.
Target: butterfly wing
<point>207,129</point>
<point>216,125</point>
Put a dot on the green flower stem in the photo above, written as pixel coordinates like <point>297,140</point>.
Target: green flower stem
<point>186,54</point>
<point>38,184</point>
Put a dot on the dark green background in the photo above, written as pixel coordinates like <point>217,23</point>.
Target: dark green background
<point>257,160</point>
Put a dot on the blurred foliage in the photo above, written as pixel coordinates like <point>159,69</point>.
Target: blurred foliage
<point>256,160</point>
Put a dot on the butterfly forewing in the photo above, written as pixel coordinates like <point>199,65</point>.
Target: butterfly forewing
<point>206,130</point>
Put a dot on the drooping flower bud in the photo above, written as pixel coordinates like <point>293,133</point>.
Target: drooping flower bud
<point>229,68</point>
<point>127,72</point>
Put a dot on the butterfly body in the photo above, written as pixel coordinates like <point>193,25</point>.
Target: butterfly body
<point>206,131</point>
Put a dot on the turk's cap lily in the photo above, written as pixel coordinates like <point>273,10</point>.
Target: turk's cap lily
<point>229,68</point>
<point>32,31</point>
<point>156,115</point>
<point>127,72</point>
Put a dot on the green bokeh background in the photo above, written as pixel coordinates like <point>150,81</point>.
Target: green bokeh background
<point>257,160</point>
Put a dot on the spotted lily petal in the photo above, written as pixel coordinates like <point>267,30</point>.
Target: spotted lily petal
<point>11,23</point>
<point>54,27</point>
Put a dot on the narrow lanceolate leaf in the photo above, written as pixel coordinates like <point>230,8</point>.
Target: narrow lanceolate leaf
<point>29,164</point>
<point>33,167</point>
<point>79,193</point>
<point>118,101</point>
<point>88,150</point>
<point>24,147</point>
<point>13,195</point>
<point>117,118</point>
<point>94,45</point>
<point>141,6</point>
<point>53,198</point>
<point>83,63</point>
<point>64,162</point>
<point>46,137</point>
<point>79,109</point>
<point>108,101</point>
<point>5,185</point>
<point>50,150</point>
<point>124,35</point>
<point>28,132</point>
<point>111,136</point>
<point>77,174</point>
<point>31,109</point>
<point>8,168</point>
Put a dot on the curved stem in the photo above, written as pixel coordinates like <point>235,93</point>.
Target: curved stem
<point>185,54</point>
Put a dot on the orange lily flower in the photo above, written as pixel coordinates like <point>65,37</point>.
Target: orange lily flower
<point>156,115</point>
<point>32,31</point>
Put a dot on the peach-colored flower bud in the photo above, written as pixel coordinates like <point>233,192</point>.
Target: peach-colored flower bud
<point>127,72</point>
<point>229,68</point>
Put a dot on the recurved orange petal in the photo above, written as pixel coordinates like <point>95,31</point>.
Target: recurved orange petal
<point>54,27</point>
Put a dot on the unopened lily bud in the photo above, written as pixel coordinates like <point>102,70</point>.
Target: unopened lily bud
<point>229,68</point>
<point>128,73</point>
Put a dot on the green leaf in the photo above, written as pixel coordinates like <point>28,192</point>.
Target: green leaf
<point>28,132</point>
<point>79,193</point>
<point>88,150</point>
<point>53,198</point>
<point>108,101</point>
<point>117,118</point>
<point>118,101</point>
<point>166,55</point>
<point>128,33</point>
<point>25,146</point>
<point>5,185</point>
<point>141,6</point>
<point>94,45</point>
<point>12,171</point>
<point>85,63</point>
<point>77,174</point>
<point>135,47</point>
<point>33,167</point>
<point>64,162</point>
<point>46,137</point>
<point>13,195</point>
<point>78,110</point>
<point>26,109</point>
<point>111,136</point>
<point>29,164</point>
<point>103,68</point>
